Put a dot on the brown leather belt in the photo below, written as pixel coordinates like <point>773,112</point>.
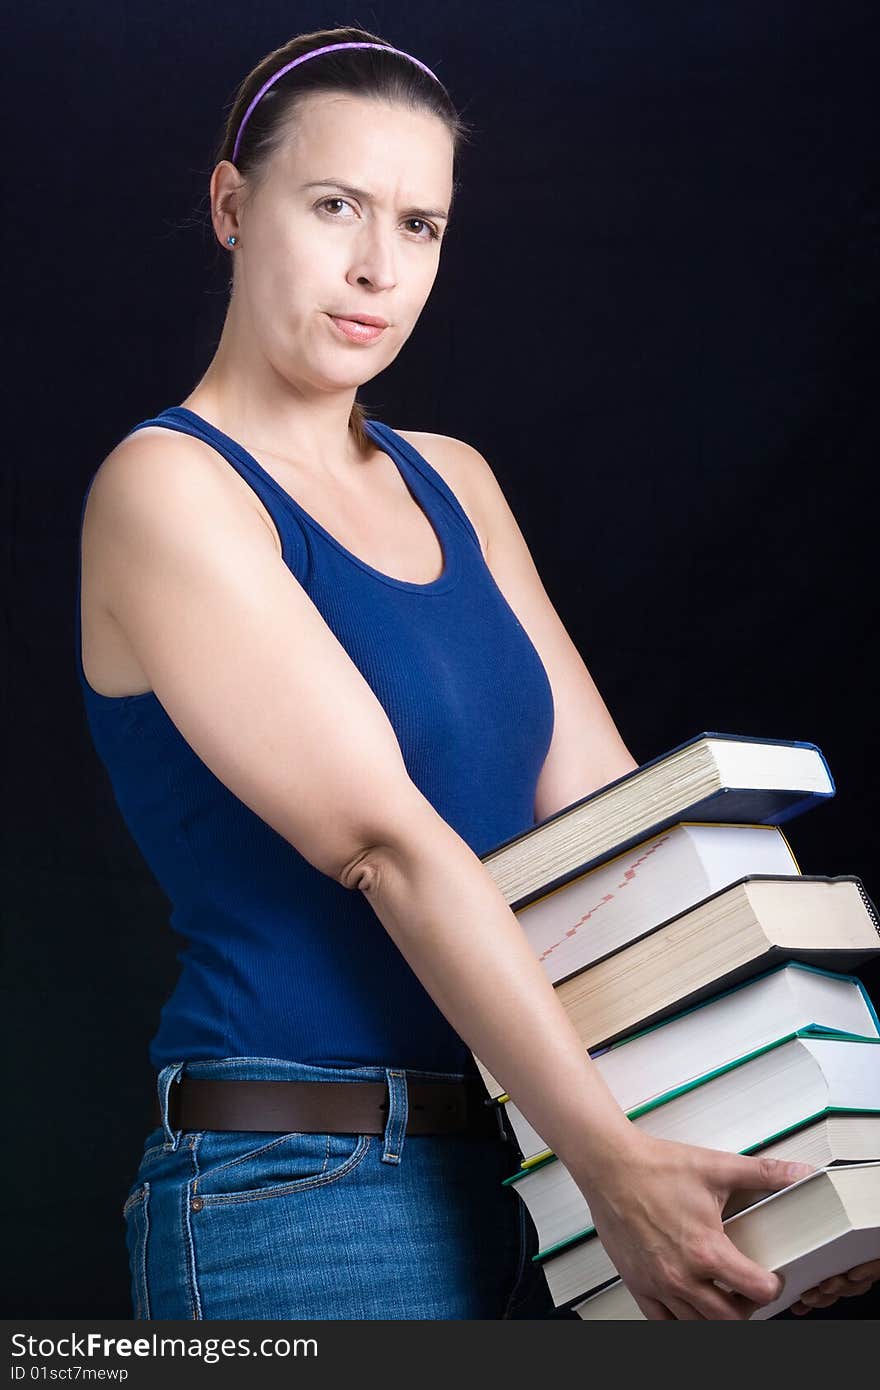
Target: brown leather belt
<point>329,1107</point>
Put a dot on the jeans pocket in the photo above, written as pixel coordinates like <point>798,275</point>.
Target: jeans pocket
<point>238,1166</point>
<point>136,1213</point>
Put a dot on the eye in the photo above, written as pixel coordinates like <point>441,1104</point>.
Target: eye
<point>324,201</point>
<point>432,232</point>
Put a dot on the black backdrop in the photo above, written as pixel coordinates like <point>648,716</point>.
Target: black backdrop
<point>655,315</point>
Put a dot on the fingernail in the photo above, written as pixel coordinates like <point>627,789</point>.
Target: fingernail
<point>796,1171</point>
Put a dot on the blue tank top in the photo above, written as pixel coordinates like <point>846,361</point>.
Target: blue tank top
<point>279,960</point>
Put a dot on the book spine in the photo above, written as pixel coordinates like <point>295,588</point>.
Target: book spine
<point>869,906</point>
<point>797,808</point>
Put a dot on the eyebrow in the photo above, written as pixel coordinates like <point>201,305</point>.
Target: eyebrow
<point>367,197</point>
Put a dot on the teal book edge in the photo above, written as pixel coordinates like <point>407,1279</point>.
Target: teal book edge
<point>811,1031</point>
<point>589,1232</point>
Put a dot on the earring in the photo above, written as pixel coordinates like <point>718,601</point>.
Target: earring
<point>231,240</point>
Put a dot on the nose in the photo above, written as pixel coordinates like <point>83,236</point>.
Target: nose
<point>375,259</point>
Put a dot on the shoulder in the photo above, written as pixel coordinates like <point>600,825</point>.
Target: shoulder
<point>175,458</point>
<point>170,472</point>
<point>143,465</point>
<point>465,472</point>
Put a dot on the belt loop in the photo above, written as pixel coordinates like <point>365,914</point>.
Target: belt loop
<point>163,1082</point>
<point>398,1113</point>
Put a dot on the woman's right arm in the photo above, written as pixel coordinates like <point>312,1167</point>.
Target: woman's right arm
<point>268,698</point>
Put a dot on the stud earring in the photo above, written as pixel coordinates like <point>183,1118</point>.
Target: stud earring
<point>231,240</point>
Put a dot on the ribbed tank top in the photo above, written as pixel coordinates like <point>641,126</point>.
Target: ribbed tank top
<point>279,960</point>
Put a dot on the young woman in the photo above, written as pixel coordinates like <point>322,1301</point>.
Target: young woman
<point>325,677</point>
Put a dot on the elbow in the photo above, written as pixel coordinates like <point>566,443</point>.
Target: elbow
<point>395,848</point>
<point>362,872</point>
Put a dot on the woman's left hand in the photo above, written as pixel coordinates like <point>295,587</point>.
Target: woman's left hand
<point>855,1281</point>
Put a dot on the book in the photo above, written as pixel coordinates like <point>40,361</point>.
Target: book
<point>607,907</point>
<point>581,1268</point>
<point>732,936</point>
<point>791,1081</point>
<point>808,1232</point>
<point>698,1041</point>
<point>710,777</point>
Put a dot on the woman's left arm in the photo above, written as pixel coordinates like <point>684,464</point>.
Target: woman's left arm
<point>586,751</point>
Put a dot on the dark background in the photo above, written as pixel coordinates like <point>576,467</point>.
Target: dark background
<point>655,316</point>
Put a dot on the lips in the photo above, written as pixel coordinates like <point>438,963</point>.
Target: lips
<point>356,331</point>
<point>372,319</point>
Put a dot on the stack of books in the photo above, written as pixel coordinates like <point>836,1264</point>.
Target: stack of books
<point>710,982</point>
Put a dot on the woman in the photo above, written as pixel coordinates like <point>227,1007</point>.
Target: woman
<point>325,677</point>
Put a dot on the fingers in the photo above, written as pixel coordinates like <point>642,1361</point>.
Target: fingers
<point>715,1305</point>
<point>743,1276</point>
<point>834,1287</point>
<point>814,1301</point>
<point>684,1312</point>
<point>856,1288</point>
<point>756,1174</point>
<point>838,1286</point>
<point>815,1298</point>
<point>705,1302</point>
<point>869,1270</point>
<point>653,1309</point>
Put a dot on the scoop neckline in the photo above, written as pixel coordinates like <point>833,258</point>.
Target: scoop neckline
<point>442,530</point>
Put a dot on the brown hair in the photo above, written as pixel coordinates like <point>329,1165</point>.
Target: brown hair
<point>365,72</point>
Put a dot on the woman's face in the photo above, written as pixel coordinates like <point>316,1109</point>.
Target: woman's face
<point>312,248</point>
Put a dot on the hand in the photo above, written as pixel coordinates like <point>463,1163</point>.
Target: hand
<point>657,1207</point>
<point>855,1281</point>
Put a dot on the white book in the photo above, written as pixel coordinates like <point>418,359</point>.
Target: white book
<point>821,1226</point>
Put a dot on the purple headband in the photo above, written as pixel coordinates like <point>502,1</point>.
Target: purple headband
<point>329,48</point>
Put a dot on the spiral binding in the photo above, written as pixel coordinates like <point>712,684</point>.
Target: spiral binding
<point>871,909</point>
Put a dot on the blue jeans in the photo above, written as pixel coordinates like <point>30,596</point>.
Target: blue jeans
<point>245,1224</point>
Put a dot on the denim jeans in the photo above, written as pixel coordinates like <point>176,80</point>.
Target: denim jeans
<point>245,1224</point>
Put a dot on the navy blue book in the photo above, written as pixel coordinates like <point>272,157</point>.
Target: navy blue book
<point>725,778</point>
